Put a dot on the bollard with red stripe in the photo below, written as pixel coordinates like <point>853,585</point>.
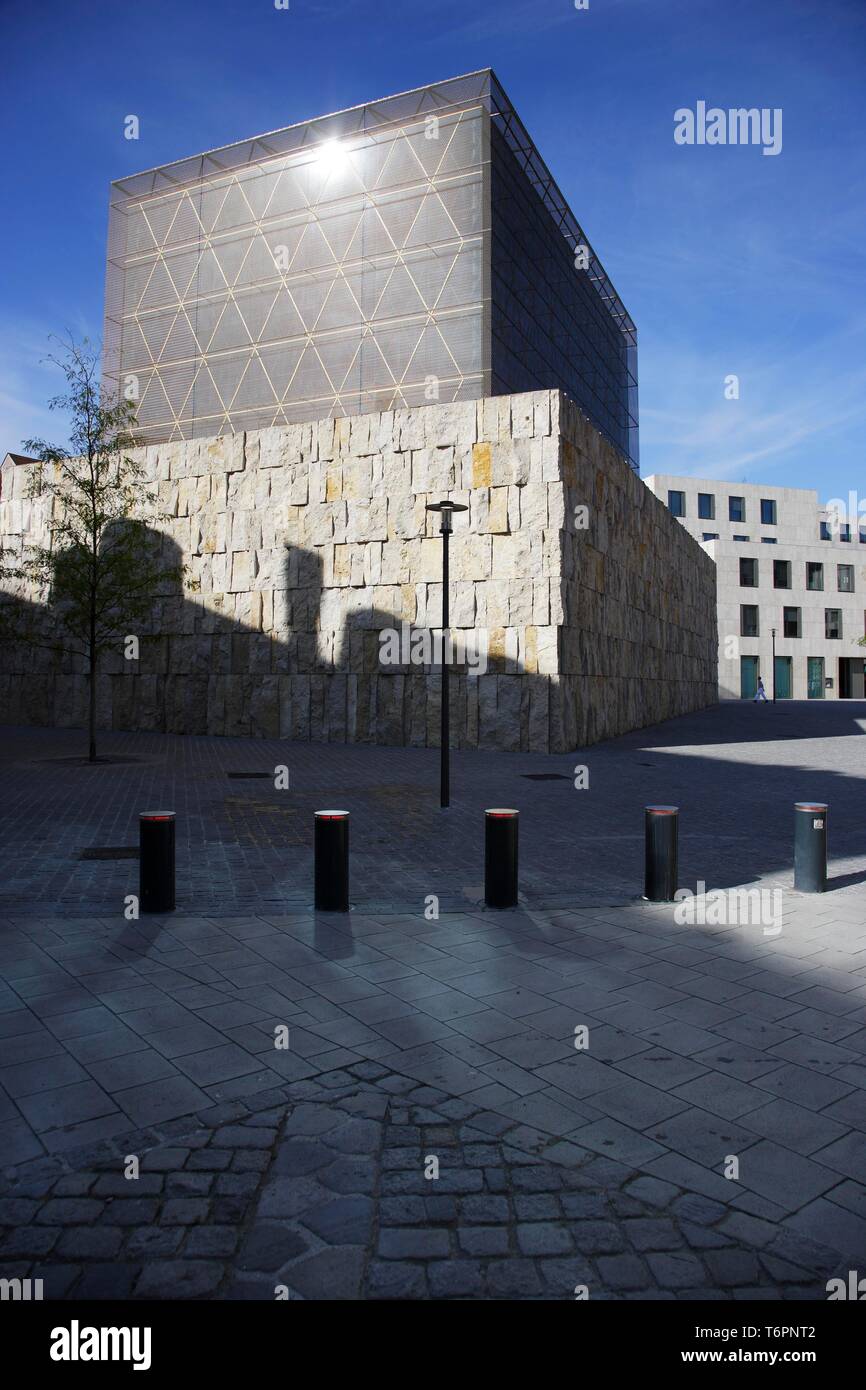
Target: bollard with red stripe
<point>500,857</point>
<point>156,861</point>
<point>331,871</point>
<point>810,846</point>
<point>661,864</point>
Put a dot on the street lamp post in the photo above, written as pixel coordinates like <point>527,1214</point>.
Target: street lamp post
<point>774,665</point>
<point>446,511</point>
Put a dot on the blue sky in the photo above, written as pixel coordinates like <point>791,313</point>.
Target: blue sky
<point>729,261</point>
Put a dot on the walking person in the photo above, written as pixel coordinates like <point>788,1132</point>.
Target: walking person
<point>760,693</point>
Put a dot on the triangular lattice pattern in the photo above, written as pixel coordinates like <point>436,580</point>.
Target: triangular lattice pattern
<point>338,278</point>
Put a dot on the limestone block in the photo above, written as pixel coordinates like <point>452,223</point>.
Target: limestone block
<point>241,491</point>
<point>453,423</point>
<point>520,602</point>
<point>495,597</point>
<point>541,413</point>
<point>357,478</point>
<point>547,650</point>
<point>359,434</point>
<point>324,431</point>
<point>523,416</point>
<point>408,603</point>
<point>318,522</point>
<point>333,483</point>
<point>533,507</point>
<point>528,649</point>
<point>511,556</point>
<point>462,605</point>
<point>550,460</point>
<point>482,464</point>
<point>240,572</point>
<point>373,563</point>
<point>491,514</point>
<point>428,560</point>
<point>340,517</point>
<point>471,556</point>
<point>356,571</point>
<point>298,491</point>
<point>240,530</point>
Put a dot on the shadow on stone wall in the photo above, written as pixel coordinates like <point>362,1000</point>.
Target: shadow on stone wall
<point>200,672</point>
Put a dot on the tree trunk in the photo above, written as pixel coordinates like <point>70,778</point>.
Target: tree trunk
<point>92,712</point>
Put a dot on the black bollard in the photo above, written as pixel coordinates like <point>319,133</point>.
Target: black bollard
<point>661,865</point>
<point>156,861</point>
<point>500,857</point>
<point>810,846</point>
<point>332,861</point>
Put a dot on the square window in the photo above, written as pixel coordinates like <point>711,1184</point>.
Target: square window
<point>768,512</point>
<point>768,540</point>
<point>677,503</point>
<point>748,620</point>
<point>736,508</point>
<point>845,532</point>
<point>781,574</point>
<point>845,579</point>
<point>711,535</point>
<point>825,531</point>
<point>833,624</point>
<point>814,575</point>
<point>740,538</point>
<point>748,573</point>
<point>706,506</point>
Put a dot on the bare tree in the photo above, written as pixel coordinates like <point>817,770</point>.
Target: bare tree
<point>99,573</point>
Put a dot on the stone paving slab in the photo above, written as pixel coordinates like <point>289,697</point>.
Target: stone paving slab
<point>363,1184</point>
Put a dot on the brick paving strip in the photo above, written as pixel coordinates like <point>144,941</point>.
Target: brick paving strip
<point>323,1195</point>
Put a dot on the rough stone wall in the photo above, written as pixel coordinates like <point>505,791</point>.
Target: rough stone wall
<point>638,639</point>
<point>302,542</point>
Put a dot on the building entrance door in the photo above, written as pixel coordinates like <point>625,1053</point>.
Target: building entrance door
<point>816,678</point>
<point>782,678</point>
<point>748,677</point>
<point>852,685</point>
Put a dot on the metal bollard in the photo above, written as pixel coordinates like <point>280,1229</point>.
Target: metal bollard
<point>810,846</point>
<point>156,861</point>
<point>331,872</point>
<point>661,863</point>
<point>500,857</point>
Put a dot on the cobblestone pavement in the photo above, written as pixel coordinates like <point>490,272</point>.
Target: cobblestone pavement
<point>328,1193</point>
<point>413,1037</point>
<point>244,846</point>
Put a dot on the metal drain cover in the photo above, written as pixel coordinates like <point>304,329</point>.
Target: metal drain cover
<point>546,776</point>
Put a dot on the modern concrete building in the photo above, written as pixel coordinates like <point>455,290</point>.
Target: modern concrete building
<point>791,581</point>
<point>408,251</point>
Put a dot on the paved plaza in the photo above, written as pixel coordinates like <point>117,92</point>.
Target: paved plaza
<point>581,1093</point>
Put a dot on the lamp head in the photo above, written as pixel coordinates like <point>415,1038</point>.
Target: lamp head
<point>446,510</point>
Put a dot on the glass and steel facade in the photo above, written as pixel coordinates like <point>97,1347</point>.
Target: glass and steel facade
<point>408,250</point>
